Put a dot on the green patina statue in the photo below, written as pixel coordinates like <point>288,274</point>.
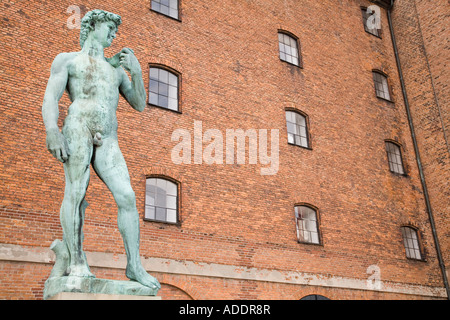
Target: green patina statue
<point>89,136</point>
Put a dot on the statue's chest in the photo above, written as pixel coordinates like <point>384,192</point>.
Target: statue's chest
<point>93,72</point>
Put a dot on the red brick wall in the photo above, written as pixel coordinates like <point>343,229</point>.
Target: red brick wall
<point>227,54</point>
<point>422,31</point>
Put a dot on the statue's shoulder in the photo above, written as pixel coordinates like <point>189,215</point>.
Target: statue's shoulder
<point>64,59</point>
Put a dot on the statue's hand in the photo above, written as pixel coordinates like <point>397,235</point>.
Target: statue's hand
<point>129,61</point>
<point>57,145</point>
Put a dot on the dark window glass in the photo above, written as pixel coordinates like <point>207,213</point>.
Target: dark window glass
<point>381,86</point>
<point>411,242</point>
<point>166,7</point>
<point>297,129</point>
<point>314,297</point>
<point>161,200</point>
<point>307,227</point>
<point>163,88</point>
<point>288,49</point>
<point>394,158</point>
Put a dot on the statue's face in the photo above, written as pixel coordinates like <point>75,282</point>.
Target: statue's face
<point>105,32</point>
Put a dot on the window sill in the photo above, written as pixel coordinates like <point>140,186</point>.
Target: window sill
<point>417,260</point>
<point>377,36</point>
<point>399,174</point>
<point>156,106</point>
<point>161,221</point>
<point>384,99</point>
<point>300,66</point>
<point>296,145</point>
<point>165,15</point>
<point>311,243</point>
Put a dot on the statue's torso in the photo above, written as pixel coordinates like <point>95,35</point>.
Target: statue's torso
<point>93,87</point>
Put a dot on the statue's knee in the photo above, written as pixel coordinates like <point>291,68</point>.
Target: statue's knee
<point>126,199</point>
<point>76,193</point>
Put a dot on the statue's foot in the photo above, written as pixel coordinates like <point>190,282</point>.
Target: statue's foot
<point>80,271</point>
<point>140,275</point>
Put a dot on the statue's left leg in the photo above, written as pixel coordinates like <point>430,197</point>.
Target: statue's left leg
<point>110,166</point>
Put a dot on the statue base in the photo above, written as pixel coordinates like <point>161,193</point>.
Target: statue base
<point>84,288</point>
<point>98,296</point>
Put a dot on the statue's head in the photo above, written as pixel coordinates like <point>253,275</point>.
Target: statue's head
<point>103,23</point>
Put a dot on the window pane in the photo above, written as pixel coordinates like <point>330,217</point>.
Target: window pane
<point>411,242</point>
<point>163,84</point>
<point>174,4</point>
<point>291,138</point>
<point>161,184</point>
<point>290,116</point>
<point>153,86</point>
<point>290,127</point>
<point>153,98</point>
<point>314,238</point>
<point>163,101</point>
<point>150,212</point>
<point>156,6</point>
<point>288,58</point>
<point>394,158</point>
<point>163,89</point>
<point>381,86</point>
<point>296,128</point>
<point>161,200</point>
<point>160,214</point>
<point>173,80</point>
<point>171,216</point>
<point>150,198</point>
<point>306,221</point>
<point>173,92</point>
<point>173,104</point>
<point>304,142</point>
<point>163,76</point>
<point>154,73</point>
<point>171,202</point>
<point>288,48</point>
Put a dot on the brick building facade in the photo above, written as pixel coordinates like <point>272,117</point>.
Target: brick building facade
<point>238,233</point>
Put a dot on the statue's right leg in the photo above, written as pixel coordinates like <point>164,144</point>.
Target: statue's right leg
<point>77,174</point>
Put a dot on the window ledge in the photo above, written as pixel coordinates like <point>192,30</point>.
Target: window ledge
<point>156,106</point>
<point>311,243</point>
<point>300,66</point>
<point>165,222</point>
<point>296,145</point>
<point>165,15</point>
<point>384,99</point>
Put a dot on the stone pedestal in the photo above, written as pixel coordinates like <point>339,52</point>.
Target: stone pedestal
<point>69,288</point>
<point>98,296</point>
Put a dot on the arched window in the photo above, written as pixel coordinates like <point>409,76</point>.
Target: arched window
<point>297,129</point>
<point>161,200</point>
<point>288,45</point>
<point>307,224</point>
<point>412,244</point>
<point>163,88</point>
<point>314,297</point>
<point>394,155</point>
<point>381,85</point>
